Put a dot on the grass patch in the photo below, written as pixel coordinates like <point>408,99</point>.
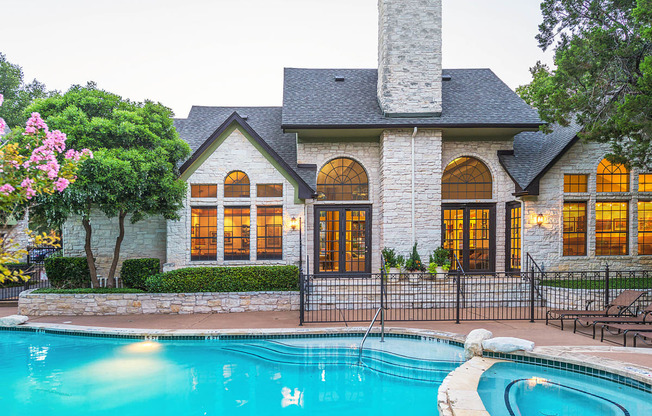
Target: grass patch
<point>101,290</point>
<point>615,283</point>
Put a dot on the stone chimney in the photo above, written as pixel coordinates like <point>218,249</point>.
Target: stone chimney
<point>409,58</point>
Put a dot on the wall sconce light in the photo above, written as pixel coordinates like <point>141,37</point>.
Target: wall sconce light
<point>539,220</point>
<point>293,223</point>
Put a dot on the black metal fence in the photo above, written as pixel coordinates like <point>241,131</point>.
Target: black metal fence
<point>458,296</point>
<point>34,268</point>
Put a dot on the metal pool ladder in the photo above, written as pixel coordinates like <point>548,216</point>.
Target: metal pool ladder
<point>381,312</point>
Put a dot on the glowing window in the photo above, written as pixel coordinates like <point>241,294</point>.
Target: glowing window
<point>343,179</point>
<point>236,233</point>
<point>236,185</point>
<point>645,182</point>
<point>611,228</point>
<point>203,191</point>
<point>612,177</point>
<point>203,233</point>
<point>645,227</point>
<point>269,221</point>
<point>269,190</point>
<point>574,228</point>
<point>575,183</point>
<point>466,178</point>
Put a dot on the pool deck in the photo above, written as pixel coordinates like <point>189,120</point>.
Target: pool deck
<point>549,338</point>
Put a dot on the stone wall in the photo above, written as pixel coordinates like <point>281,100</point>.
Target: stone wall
<point>365,153</point>
<point>235,153</point>
<point>144,239</point>
<point>545,242</point>
<point>409,56</point>
<point>32,304</point>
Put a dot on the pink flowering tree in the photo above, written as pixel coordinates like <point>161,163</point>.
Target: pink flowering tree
<point>33,162</point>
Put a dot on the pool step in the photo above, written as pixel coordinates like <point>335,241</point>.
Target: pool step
<point>379,361</point>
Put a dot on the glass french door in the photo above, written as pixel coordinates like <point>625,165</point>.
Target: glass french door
<point>343,236</point>
<point>469,230</point>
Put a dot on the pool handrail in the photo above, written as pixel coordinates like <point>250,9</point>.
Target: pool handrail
<point>382,334</point>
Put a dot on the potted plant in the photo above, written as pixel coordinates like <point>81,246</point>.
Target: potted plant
<point>439,263</point>
<point>391,263</point>
<point>413,263</point>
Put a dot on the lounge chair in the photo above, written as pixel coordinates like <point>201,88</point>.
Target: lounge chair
<point>643,337</point>
<point>617,307</point>
<point>625,329</point>
<point>584,322</point>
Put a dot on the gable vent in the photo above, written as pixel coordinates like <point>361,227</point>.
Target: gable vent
<point>244,117</point>
<point>445,77</point>
<point>339,78</point>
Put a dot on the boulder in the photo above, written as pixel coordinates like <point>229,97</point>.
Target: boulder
<point>473,342</point>
<point>507,344</point>
<point>13,320</point>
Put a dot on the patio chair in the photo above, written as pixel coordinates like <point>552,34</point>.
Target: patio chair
<point>625,329</point>
<point>646,338</point>
<point>644,317</point>
<point>617,307</point>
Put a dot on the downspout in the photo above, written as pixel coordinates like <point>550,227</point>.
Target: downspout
<point>414,231</point>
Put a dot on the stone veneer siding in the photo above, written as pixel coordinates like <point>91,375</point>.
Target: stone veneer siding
<point>410,56</point>
<point>545,243</point>
<point>235,153</point>
<point>34,304</point>
<point>143,239</point>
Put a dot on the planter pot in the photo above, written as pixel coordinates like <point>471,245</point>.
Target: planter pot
<point>441,272</point>
<point>414,277</point>
<point>394,274</point>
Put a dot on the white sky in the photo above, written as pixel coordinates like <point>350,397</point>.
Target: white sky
<point>232,52</point>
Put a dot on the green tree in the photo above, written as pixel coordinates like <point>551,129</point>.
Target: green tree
<point>17,94</point>
<point>603,73</point>
<point>134,170</point>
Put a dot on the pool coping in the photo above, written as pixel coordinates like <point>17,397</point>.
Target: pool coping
<point>458,393</point>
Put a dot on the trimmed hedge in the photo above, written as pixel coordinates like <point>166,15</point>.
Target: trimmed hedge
<point>134,272</point>
<point>68,272</point>
<point>225,279</point>
<point>101,290</point>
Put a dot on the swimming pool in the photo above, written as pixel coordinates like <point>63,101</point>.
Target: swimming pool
<point>509,388</point>
<point>63,375</point>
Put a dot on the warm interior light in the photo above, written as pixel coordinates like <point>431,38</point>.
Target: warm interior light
<point>293,223</point>
<point>540,220</point>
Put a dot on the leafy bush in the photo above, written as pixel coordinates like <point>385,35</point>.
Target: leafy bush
<point>134,272</point>
<point>389,254</point>
<point>68,272</point>
<point>225,279</point>
<point>100,290</point>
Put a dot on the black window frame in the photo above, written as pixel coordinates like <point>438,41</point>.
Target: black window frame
<point>236,257</point>
<point>214,238</point>
<point>263,256</point>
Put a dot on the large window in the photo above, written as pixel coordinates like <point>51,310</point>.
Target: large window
<point>514,236</point>
<point>270,233</point>
<point>645,227</point>
<point>574,228</point>
<point>203,233</point>
<point>612,177</point>
<point>466,178</point>
<point>236,233</point>
<point>343,179</point>
<point>203,191</point>
<point>575,183</point>
<point>611,228</point>
<point>236,185</point>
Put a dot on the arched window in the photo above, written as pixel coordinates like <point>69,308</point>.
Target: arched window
<point>343,179</point>
<point>612,177</point>
<point>236,185</point>
<point>466,178</point>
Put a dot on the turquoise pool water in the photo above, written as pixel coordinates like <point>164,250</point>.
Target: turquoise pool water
<point>527,390</point>
<point>42,374</point>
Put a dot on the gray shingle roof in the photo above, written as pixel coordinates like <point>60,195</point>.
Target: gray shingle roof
<point>472,97</point>
<point>266,121</point>
<point>535,152</point>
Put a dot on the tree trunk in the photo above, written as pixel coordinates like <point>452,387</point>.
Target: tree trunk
<point>86,222</point>
<point>116,251</point>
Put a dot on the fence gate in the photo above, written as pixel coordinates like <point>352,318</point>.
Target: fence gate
<point>34,268</point>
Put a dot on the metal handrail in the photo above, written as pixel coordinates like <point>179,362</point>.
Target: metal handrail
<point>382,334</point>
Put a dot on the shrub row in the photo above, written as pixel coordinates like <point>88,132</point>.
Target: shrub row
<point>134,272</point>
<point>68,272</point>
<point>225,279</point>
